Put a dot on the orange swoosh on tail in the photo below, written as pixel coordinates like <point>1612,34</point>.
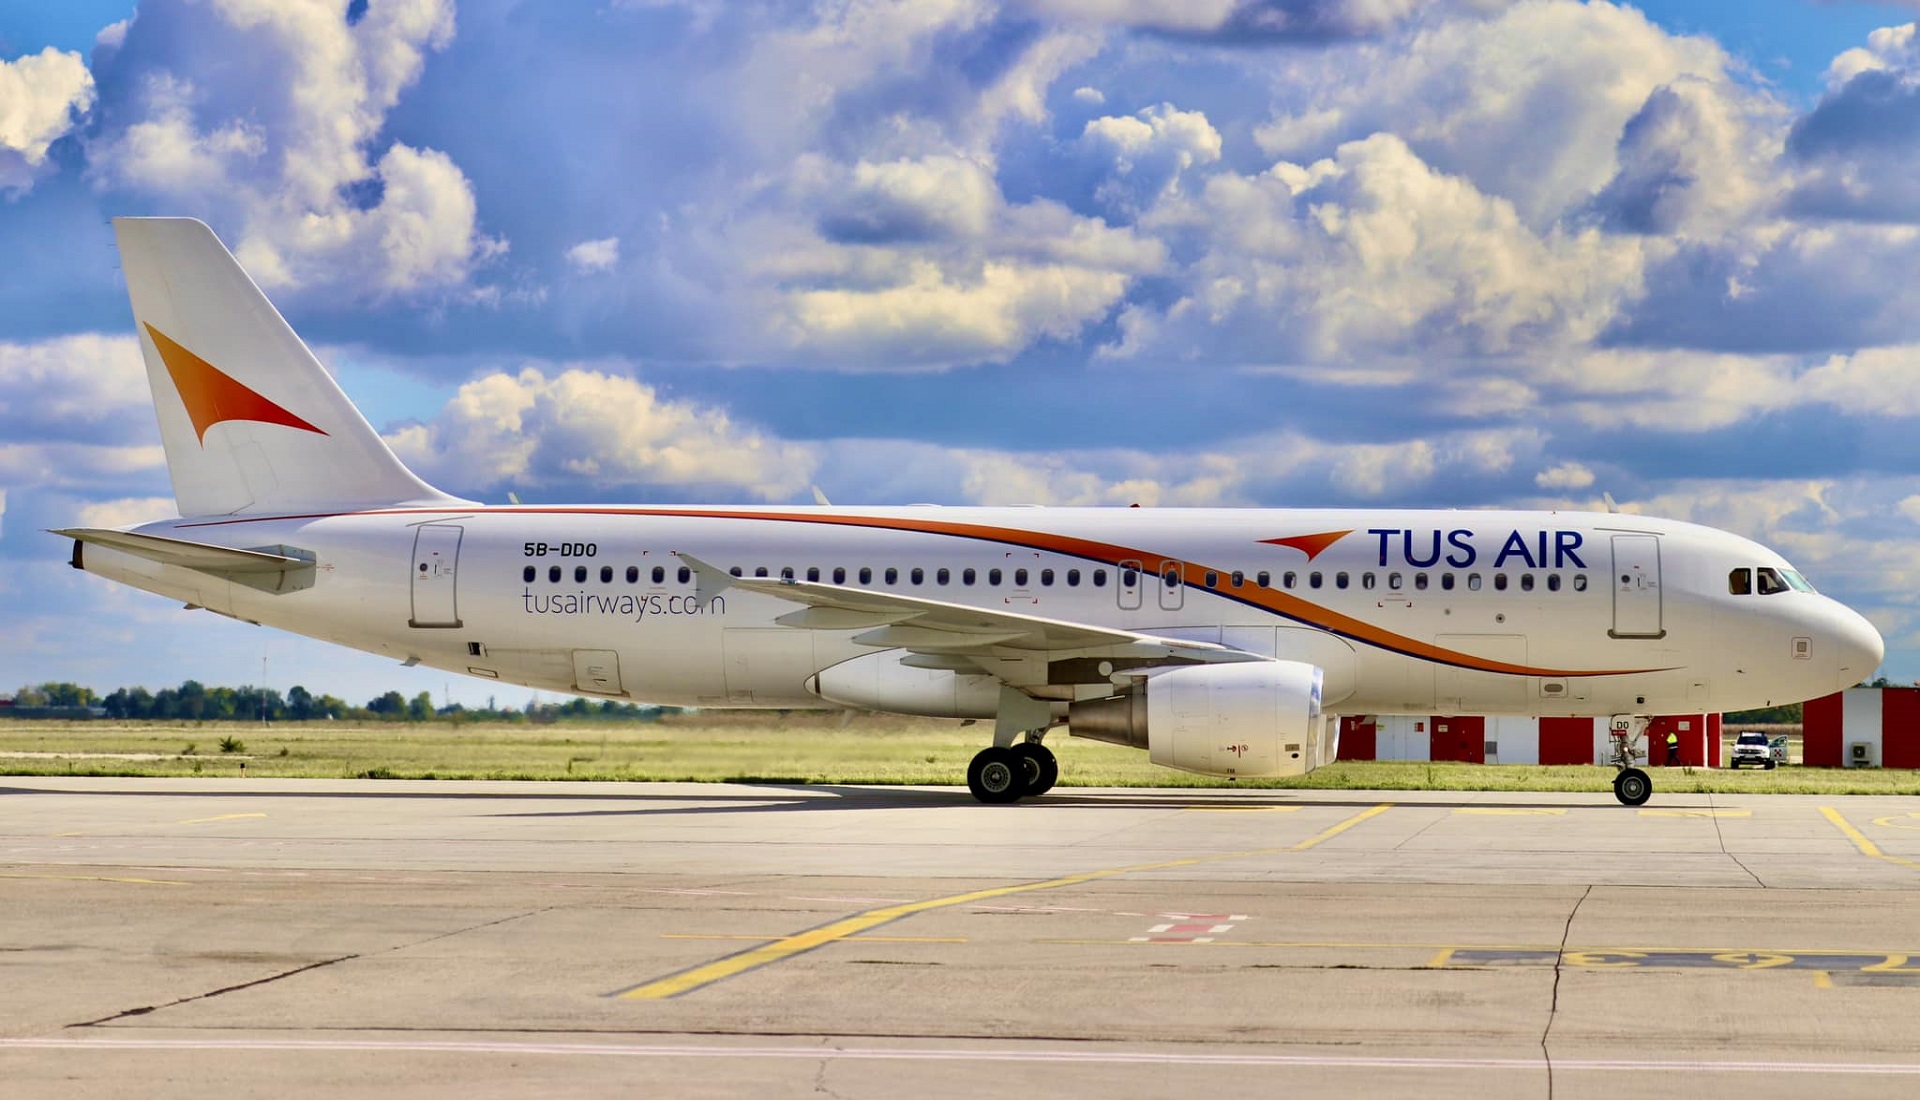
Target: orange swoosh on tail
<point>1310,545</point>
<point>211,395</point>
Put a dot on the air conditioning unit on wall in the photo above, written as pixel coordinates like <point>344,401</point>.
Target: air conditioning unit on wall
<point>1860,755</point>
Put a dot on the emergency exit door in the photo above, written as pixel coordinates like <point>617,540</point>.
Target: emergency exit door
<point>436,554</point>
<point>1636,587</point>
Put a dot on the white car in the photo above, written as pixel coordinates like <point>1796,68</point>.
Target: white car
<point>1751,747</point>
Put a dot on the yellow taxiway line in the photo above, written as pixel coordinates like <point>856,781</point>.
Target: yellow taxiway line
<point>1860,841</point>
<point>686,981</point>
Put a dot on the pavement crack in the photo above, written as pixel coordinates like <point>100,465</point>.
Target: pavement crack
<point>1721,837</point>
<point>1559,963</point>
<point>145,1009</point>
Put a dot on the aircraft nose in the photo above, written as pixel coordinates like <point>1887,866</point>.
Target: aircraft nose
<point>1857,644</point>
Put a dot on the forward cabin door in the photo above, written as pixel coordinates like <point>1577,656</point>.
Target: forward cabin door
<point>1636,587</point>
<point>436,553</point>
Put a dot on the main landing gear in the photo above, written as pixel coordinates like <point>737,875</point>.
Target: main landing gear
<point>1630,785</point>
<point>1000,775</point>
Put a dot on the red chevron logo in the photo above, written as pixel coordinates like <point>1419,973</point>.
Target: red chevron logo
<point>211,395</point>
<point>1310,545</point>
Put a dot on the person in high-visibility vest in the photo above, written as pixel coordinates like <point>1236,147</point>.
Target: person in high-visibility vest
<point>1673,748</point>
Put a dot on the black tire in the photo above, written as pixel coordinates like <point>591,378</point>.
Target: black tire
<point>1769,765</point>
<point>1632,787</point>
<point>1039,770</point>
<point>995,776</point>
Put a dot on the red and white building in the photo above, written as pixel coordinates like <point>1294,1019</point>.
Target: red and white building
<point>1864,728</point>
<point>1477,740</point>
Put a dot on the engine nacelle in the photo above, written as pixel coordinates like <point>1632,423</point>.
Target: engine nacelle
<point>1258,718</point>
<point>878,681</point>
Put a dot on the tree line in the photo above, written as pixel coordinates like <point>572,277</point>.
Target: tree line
<point>193,701</point>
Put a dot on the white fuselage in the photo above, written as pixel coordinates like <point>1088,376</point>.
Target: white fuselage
<point>1414,612</point>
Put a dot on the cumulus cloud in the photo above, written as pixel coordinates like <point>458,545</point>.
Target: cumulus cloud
<point>1856,147</point>
<point>125,511</point>
<point>1244,20</point>
<point>580,427</point>
<point>1149,152</point>
<point>1374,250</point>
<point>1567,475</point>
<point>41,96</point>
<point>298,158</point>
<point>592,257</point>
<point>73,386</point>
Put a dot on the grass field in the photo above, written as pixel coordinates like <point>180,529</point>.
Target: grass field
<point>799,747</point>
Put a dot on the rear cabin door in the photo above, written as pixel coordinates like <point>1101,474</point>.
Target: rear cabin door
<point>436,553</point>
<point>1636,587</point>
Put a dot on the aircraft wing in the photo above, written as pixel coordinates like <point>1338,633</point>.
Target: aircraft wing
<point>936,629</point>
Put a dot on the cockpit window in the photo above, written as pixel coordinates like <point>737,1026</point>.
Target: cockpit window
<point>1770,581</point>
<point>1797,582</point>
<point>1740,582</point>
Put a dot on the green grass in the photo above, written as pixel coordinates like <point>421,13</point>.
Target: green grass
<point>742,746</point>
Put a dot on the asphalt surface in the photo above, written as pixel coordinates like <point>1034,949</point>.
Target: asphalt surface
<point>198,938</point>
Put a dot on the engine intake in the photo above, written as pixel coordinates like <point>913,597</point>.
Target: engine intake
<point>1258,718</point>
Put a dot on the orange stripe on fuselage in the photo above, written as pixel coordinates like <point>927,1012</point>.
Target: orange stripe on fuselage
<point>1268,599</point>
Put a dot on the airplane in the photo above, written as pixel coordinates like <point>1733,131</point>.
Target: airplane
<point>1223,641</point>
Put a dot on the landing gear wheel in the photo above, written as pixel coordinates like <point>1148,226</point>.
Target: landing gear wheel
<point>995,776</point>
<point>1039,770</point>
<point>1632,787</point>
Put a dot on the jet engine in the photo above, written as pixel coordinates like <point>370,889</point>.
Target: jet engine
<point>1259,718</point>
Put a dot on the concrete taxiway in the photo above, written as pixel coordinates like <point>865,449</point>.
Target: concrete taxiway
<point>194,938</point>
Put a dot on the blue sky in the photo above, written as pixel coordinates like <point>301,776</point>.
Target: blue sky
<point>1449,253</point>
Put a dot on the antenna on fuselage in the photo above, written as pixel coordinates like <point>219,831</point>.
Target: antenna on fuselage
<point>820,498</point>
<point>1612,508</point>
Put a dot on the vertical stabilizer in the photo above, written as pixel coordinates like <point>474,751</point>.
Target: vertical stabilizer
<point>251,422</point>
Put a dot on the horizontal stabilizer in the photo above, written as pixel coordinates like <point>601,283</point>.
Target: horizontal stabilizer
<point>270,569</point>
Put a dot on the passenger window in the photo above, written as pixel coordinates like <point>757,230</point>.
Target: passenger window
<point>1265,579</point>
<point>659,574</point>
<point>1770,581</point>
<point>1313,579</point>
<point>633,574</point>
<point>1526,582</point>
<point>1213,579</point>
<point>967,576</point>
<point>1129,578</point>
<point>1046,578</point>
<point>735,571</point>
<point>1473,582</point>
<point>1579,582</point>
<point>918,576</point>
<point>1446,581</point>
<point>760,571</point>
<point>1099,578</point>
<point>1420,581</point>
<point>1499,582</point>
<point>993,577</point>
<point>1553,582</point>
<point>892,575</point>
<point>1073,578</point>
<point>1289,579</point>
<point>942,576</point>
<point>1236,578</point>
<point>839,574</point>
<point>528,574</point>
<point>866,574</point>
<point>1019,578</point>
<point>553,574</point>
<point>1340,579</point>
<point>786,572</point>
<point>1740,582</point>
<point>1366,580</point>
<point>1171,578</point>
<point>813,574</point>
<point>1394,580</point>
<point>579,574</point>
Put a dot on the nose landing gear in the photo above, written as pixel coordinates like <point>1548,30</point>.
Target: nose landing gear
<point>1630,785</point>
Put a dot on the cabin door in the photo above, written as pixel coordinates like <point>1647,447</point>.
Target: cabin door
<point>1636,587</point>
<point>436,551</point>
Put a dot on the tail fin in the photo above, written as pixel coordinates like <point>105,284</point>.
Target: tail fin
<point>250,420</point>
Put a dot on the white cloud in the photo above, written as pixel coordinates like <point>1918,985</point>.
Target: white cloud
<point>1150,151</point>
<point>125,511</point>
<point>592,257</point>
<point>1567,475</point>
<point>41,96</point>
<point>76,381</point>
<point>577,426</point>
<point>297,162</point>
<point>1089,95</point>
